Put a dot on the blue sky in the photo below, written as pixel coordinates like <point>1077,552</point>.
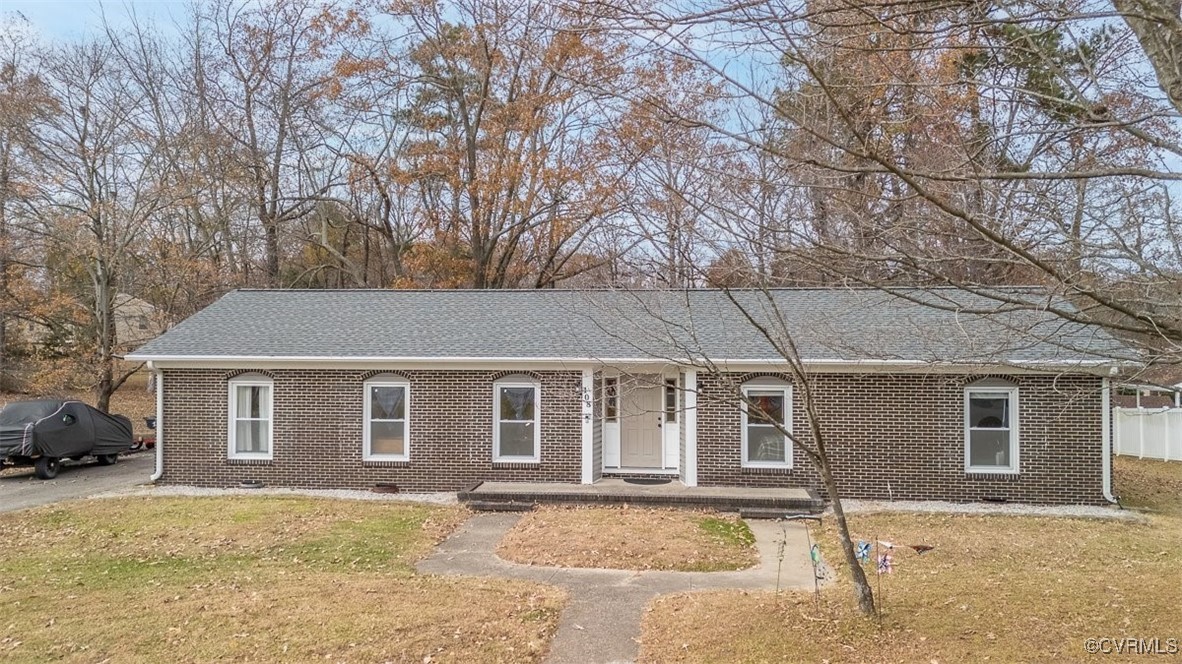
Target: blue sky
<point>71,19</point>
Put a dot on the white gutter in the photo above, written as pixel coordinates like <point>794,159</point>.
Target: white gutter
<point>159,422</point>
<point>1106,438</point>
<point>617,360</point>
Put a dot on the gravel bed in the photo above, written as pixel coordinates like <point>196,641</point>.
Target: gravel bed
<point>345,494</point>
<point>1012,509</point>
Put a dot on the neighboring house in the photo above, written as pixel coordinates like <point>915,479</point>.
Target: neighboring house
<point>440,390</point>
<point>1157,386</point>
<point>1140,395</point>
<point>136,321</point>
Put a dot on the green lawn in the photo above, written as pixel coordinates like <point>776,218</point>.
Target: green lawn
<point>252,578</point>
<point>997,588</point>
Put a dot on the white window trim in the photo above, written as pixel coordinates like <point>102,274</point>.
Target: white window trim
<point>787,391</point>
<point>1014,466</point>
<point>537,455</point>
<point>232,400</point>
<point>366,453</point>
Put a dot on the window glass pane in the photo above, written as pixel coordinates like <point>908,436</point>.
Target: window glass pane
<point>387,403</point>
<point>517,439</point>
<point>387,438</point>
<point>764,443</point>
<point>989,410</point>
<point>611,397</point>
<point>251,437</point>
<point>989,448</point>
<point>517,403</point>
<point>253,400</point>
<point>769,403</point>
<point>671,400</point>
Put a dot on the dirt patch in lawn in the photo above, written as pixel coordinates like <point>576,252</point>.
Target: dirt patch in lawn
<point>253,578</point>
<point>997,588</point>
<point>630,538</point>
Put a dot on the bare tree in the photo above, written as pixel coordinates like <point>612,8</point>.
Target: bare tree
<point>967,146</point>
<point>262,73</point>
<point>22,100</point>
<point>511,160</point>
<point>99,191</point>
<point>665,323</point>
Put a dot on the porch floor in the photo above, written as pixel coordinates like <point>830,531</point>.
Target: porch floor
<point>523,495</point>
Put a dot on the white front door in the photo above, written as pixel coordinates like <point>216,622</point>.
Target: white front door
<point>641,416</point>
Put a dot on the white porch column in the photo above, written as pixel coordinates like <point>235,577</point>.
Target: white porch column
<point>588,412</point>
<point>690,421</point>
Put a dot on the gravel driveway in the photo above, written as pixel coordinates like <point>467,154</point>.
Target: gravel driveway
<point>19,489</point>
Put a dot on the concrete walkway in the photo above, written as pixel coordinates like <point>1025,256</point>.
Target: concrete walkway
<point>602,621</point>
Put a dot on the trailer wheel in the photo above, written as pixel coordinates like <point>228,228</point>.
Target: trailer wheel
<point>108,459</point>
<point>46,467</point>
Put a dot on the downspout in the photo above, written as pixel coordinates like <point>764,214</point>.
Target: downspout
<point>1106,438</point>
<point>159,423</point>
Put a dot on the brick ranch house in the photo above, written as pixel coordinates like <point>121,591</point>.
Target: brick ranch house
<point>440,390</point>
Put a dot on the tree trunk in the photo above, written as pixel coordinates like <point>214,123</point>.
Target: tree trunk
<point>3,277</point>
<point>104,389</point>
<point>1158,27</point>
<point>862,590</point>
<point>104,309</point>
<point>271,232</point>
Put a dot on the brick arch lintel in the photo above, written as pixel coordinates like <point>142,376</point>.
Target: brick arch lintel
<point>235,373</point>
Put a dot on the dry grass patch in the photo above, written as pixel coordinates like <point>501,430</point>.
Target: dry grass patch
<point>1148,484</point>
<point>269,528</point>
<point>630,538</point>
<point>253,578</point>
<point>997,588</point>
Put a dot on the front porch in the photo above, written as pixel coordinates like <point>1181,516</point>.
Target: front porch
<point>753,501</point>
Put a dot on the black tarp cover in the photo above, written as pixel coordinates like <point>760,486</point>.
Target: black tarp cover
<point>61,429</point>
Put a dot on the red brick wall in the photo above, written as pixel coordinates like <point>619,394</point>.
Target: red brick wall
<point>903,436</point>
<point>318,431</point>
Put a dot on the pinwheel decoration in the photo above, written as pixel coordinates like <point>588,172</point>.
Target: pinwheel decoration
<point>863,551</point>
<point>885,564</point>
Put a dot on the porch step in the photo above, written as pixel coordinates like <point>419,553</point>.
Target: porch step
<point>500,506</point>
<point>776,513</point>
<point>767,503</point>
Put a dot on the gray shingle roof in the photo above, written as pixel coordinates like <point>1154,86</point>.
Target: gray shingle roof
<point>826,325</point>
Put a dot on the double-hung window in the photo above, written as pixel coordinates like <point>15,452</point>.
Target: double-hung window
<point>991,429</point>
<point>387,425</point>
<point>767,414</point>
<point>250,418</point>
<point>517,424</point>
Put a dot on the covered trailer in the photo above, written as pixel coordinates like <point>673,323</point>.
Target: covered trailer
<point>44,432</point>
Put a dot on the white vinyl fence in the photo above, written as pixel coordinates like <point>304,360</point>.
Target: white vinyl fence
<point>1148,433</point>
